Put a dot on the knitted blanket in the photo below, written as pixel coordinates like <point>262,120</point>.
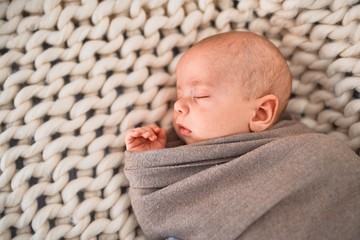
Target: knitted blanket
<point>284,183</point>
<point>76,75</point>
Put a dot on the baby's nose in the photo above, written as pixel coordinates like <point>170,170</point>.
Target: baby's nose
<point>180,106</point>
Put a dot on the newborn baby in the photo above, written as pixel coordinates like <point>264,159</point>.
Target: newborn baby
<point>243,173</point>
<point>230,83</point>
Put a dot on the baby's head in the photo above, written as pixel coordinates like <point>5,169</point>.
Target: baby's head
<point>230,83</point>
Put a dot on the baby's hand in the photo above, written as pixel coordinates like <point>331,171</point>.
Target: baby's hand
<point>145,138</point>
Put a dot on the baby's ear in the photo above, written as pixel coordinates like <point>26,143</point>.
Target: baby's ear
<point>265,112</point>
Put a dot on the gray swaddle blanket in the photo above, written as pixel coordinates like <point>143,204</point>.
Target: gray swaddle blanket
<point>284,183</point>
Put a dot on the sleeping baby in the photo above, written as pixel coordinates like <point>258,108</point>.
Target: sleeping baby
<point>221,91</point>
<point>241,171</point>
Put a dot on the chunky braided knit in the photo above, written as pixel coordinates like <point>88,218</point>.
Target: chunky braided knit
<point>76,75</point>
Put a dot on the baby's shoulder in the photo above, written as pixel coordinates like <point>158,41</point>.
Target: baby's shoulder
<point>321,150</point>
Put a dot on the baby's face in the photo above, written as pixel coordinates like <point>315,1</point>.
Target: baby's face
<point>209,105</point>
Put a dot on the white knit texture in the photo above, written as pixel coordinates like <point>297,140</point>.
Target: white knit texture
<point>76,75</point>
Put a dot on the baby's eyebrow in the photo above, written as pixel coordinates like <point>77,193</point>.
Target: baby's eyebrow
<point>196,83</point>
<point>199,83</point>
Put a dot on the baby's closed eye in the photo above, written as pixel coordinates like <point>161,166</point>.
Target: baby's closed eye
<point>198,98</point>
<point>201,97</point>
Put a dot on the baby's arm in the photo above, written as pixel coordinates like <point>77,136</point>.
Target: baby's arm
<point>145,138</point>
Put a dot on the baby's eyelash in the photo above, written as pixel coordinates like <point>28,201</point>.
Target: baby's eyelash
<point>200,97</point>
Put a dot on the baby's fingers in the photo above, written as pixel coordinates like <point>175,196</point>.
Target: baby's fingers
<point>145,132</point>
<point>155,128</point>
<point>149,135</point>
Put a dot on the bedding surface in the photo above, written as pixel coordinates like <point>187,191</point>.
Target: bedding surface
<point>76,75</point>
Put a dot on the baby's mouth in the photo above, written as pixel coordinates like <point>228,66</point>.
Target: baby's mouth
<point>183,130</point>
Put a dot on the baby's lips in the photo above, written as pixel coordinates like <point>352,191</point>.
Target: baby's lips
<point>183,130</point>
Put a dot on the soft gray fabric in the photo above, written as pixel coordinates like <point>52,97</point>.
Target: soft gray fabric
<point>284,183</point>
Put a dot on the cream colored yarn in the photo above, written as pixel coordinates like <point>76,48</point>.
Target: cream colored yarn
<point>76,75</point>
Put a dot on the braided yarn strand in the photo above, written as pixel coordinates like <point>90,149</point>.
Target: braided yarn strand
<point>76,75</point>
